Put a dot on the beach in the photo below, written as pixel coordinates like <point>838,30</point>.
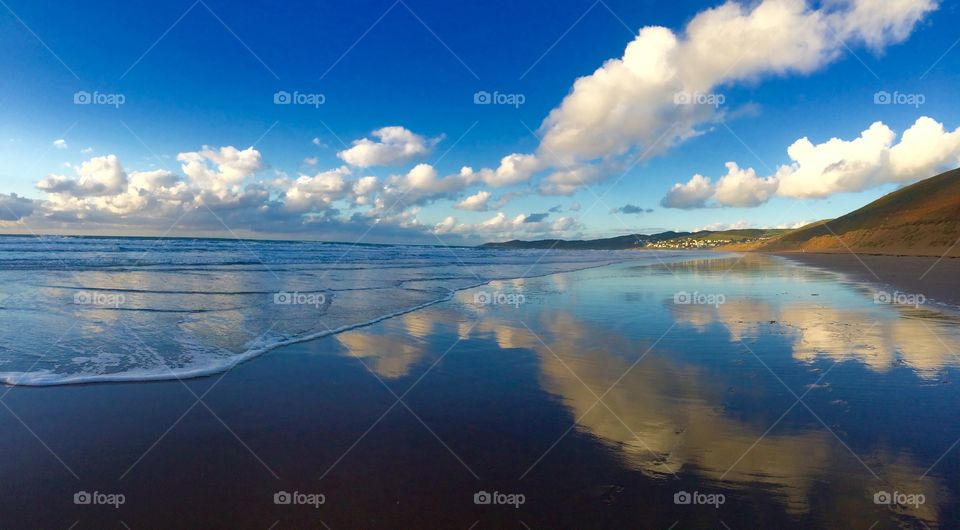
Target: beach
<point>650,393</point>
<point>934,277</point>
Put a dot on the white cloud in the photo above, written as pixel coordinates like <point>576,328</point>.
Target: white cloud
<point>102,175</point>
<point>796,224</point>
<point>743,188</point>
<point>816,171</point>
<point>395,145</point>
<point>835,165</point>
<point>872,159</point>
<point>924,148</point>
<point>363,187</point>
<point>627,107</point>
<point>501,226</point>
<point>232,166</point>
<point>476,202</point>
<point>718,227</point>
<point>693,194</point>
<point>445,226</point>
<point>317,191</point>
<point>566,181</point>
<point>60,144</point>
<point>422,185</point>
<point>86,150</point>
<point>513,169</point>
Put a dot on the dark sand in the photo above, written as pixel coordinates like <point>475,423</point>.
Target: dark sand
<point>937,279</point>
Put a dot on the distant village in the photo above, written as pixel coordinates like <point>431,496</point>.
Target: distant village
<point>689,243</point>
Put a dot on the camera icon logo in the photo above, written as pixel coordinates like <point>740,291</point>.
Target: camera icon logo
<point>481,298</point>
<point>482,497</point>
<point>882,497</point>
<point>882,297</point>
<point>82,298</point>
<point>282,98</point>
<point>282,298</point>
<point>682,297</point>
<point>482,98</point>
<point>82,98</point>
<point>82,497</point>
<point>282,497</point>
<point>882,98</point>
<point>682,497</point>
<point>682,98</point>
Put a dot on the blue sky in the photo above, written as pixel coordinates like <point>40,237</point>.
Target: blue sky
<point>205,74</point>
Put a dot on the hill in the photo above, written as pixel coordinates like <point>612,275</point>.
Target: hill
<point>610,243</point>
<point>746,237</point>
<point>922,219</point>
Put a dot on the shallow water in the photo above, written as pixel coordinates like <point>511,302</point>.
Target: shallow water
<point>126,309</point>
<point>775,395</point>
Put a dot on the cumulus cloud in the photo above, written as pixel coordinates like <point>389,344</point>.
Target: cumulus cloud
<point>102,175</point>
<point>217,169</point>
<point>363,188</point>
<point>568,180</point>
<point>476,202</point>
<point>743,188</point>
<point>693,194</point>
<point>513,169</point>
<point>60,144</point>
<point>317,191</point>
<point>393,145</point>
<point>874,158</point>
<point>629,106</point>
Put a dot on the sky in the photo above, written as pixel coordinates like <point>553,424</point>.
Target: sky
<point>410,121</point>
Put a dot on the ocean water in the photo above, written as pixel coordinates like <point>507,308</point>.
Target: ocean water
<point>76,310</point>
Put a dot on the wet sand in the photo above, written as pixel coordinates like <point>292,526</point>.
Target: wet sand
<point>937,279</point>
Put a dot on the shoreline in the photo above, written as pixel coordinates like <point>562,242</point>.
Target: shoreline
<point>46,379</point>
<point>933,277</point>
